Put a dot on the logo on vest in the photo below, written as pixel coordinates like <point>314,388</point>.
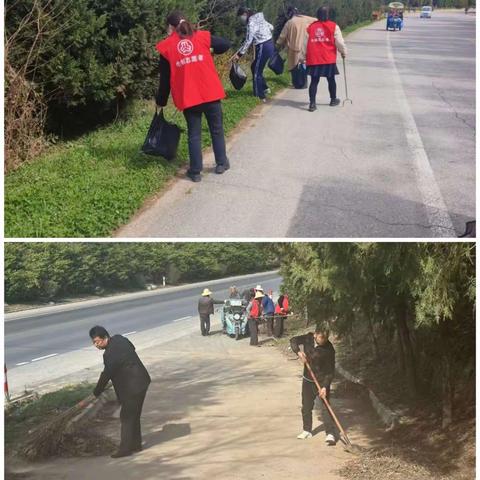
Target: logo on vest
<point>185,47</point>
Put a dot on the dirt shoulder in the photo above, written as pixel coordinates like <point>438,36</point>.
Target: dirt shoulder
<point>217,407</point>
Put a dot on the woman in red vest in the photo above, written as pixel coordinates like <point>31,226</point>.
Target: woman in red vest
<point>188,70</point>
<point>281,311</point>
<point>324,38</point>
<point>254,312</point>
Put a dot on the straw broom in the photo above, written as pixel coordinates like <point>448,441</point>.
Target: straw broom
<point>47,438</point>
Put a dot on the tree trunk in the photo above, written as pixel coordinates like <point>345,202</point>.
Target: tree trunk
<point>400,353</point>
<point>376,350</point>
<point>448,392</point>
<point>404,334</point>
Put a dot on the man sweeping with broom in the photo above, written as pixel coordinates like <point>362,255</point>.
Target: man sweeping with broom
<point>319,354</point>
<point>130,380</point>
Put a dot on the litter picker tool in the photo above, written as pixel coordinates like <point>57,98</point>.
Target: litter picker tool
<point>349,447</point>
<point>346,88</point>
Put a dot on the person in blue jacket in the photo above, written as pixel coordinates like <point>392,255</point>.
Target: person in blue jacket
<point>268,311</point>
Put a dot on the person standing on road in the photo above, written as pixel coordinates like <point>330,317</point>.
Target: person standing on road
<point>130,380</point>
<point>205,309</point>
<point>322,41</point>
<point>281,311</point>
<point>268,311</point>
<point>293,36</point>
<point>259,32</point>
<point>320,354</point>
<point>254,313</point>
<point>187,68</point>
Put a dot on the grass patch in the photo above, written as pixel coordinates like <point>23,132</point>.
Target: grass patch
<point>21,418</point>
<point>91,186</point>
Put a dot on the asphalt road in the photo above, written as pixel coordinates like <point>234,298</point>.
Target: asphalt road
<point>398,162</point>
<point>40,338</point>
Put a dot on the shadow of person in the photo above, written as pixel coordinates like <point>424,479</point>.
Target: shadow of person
<point>215,332</point>
<point>170,431</point>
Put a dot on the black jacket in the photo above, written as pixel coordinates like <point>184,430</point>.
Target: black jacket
<point>320,358</point>
<point>219,45</point>
<point>123,367</point>
<point>205,305</point>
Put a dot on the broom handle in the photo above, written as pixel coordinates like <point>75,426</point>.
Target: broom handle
<point>328,404</point>
<point>345,77</point>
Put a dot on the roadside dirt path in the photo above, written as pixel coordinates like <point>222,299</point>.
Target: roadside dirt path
<point>218,408</point>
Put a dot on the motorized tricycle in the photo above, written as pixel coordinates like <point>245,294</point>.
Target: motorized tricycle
<point>234,318</point>
<point>395,16</point>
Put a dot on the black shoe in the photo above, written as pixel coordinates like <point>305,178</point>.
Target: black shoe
<point>120,454</point>
<point>138,449</point>
<point>312,107</point>
<point>334,102</point>
<point>194,177</point>
<point>222,168</point>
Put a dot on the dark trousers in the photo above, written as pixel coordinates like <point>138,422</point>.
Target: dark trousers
<point>332,88</point>
<point>309,392</point>
<point>279,325</point>
<point>269,319</point>
<point>263,52</point>
<point>131,433</point>
<point>193,116</point>
<point>205,324</point>
<point>253,328</point>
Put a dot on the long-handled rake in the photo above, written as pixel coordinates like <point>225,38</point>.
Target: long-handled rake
<point>349,447</point>
<point>346,88</point>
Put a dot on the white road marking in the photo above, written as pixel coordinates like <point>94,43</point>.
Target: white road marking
<point>183,318</point>
<point>43,358</point>
<point>21,363</point>
<point>129,333</point>
<point>437,212</point>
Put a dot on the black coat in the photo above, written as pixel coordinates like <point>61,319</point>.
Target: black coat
<point>123,367</point>
<point>320,358</point>
<point>205,305</point>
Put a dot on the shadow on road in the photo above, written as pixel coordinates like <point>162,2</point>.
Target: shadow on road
<point>170,431</point>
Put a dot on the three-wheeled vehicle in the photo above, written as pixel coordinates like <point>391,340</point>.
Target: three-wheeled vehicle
<point>234,318</point>
<point>395,16</point>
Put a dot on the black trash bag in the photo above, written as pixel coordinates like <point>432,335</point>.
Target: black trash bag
<point>238,77</point>
<point>299,76</point>
<point>276,63</point>
<point>162,138</point>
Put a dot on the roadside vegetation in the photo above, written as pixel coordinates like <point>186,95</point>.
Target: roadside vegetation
<point>36,272</point>
<point>402,318</point>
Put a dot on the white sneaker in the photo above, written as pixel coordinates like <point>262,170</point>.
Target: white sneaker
<point>330,439</point>
<point>304,435</point>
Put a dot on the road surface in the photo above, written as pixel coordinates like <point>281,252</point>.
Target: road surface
<point>399,162</point>
<point>42,347</point>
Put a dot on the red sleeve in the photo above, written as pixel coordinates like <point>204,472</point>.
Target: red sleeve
<point>162,48</point>
<point>205,37</point>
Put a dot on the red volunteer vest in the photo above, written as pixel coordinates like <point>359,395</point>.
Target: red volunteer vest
<point>193,77</point>
<point>255,311</point>
<point>285,303</point>
<point>321,49</point>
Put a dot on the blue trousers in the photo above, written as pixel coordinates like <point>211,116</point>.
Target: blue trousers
<point>193,115</point>
<point>263,52</point>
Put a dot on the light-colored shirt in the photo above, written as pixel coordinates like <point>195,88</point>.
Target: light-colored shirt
<point>258,31</point>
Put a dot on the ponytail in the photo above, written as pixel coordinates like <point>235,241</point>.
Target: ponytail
<point>182,26</point>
